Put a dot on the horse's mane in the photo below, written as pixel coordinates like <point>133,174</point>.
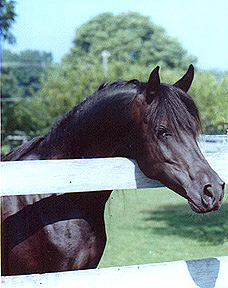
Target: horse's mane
<point>118,95</point>
<point>21,150</point>
<point>170,104</point>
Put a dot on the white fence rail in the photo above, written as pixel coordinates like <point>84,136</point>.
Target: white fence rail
<point>213,143</point>
<point>81,175</point>
<point>40,177</point>
<point>204,273</point>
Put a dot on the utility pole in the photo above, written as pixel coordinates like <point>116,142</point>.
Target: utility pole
<point>105,55</point>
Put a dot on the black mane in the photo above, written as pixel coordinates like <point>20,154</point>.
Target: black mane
<point>171,104</point>
<point>20,151</point>
<point>112,103</point>
<point>117,95</point>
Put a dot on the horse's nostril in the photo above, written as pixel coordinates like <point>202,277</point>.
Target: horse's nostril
<point>207,196</point>
<point>208,191</point>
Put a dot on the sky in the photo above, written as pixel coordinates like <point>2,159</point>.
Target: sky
<point>201,26</point>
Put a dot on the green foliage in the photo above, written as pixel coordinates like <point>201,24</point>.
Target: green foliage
<point>26,68</point>
<point>20,78</point>
<point>130,38</point>
<point>136,45</point>
<point>65,86</point>
<point>7,18</point>
<point>9,84</point>
<point>211,96</point>
<point>62,88</point>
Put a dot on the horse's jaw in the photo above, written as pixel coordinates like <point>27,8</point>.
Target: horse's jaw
<point>202,197</point>
<point>203,200</point>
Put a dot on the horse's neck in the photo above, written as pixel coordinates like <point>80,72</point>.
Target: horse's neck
<point>90,138</point>
<point>89,131</point>
<point>82,144</point>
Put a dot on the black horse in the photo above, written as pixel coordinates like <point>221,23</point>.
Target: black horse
<point>154,123</point>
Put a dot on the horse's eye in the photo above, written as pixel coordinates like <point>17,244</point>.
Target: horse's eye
<point>163,132</point>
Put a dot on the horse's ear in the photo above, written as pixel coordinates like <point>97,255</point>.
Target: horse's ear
<point>185,82</point>
<point>152,85</point>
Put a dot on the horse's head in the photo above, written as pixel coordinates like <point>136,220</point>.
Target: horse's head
<point>168,151</point>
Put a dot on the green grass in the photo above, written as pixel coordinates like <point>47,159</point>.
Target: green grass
<point>157,225</point>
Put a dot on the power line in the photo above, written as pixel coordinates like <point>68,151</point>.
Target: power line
<point>20,64</point>
<point>10,99</point>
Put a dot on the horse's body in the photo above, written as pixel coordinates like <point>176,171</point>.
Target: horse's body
<point>154,123</point>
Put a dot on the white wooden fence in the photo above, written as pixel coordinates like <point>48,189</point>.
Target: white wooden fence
<point>204,273</point>
<point>81,175</point>
<point>20,178</point>
<point>213,143</point>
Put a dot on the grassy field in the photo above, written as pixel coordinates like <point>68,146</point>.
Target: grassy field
<point>157,225</point>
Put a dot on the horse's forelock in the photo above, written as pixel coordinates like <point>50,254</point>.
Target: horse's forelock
<point>176,108</point>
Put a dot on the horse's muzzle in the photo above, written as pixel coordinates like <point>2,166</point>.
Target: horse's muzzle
<point>211,199</point>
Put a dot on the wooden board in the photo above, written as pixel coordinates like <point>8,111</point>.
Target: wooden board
<point>210,272</point>
<point>60,176</point>
<point>52,176</point>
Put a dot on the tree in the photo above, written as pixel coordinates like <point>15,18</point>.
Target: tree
<point>7,18</point>
<point>136,46</point>
<point>20,79</point>
<point>211,96</point>
<point>27,68</point>
<point>62,89</point>
<point>130,38</point>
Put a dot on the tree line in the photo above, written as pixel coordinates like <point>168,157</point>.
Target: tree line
<point>45,91</point>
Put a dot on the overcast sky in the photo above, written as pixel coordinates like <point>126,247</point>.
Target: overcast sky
<point>201,26</point>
